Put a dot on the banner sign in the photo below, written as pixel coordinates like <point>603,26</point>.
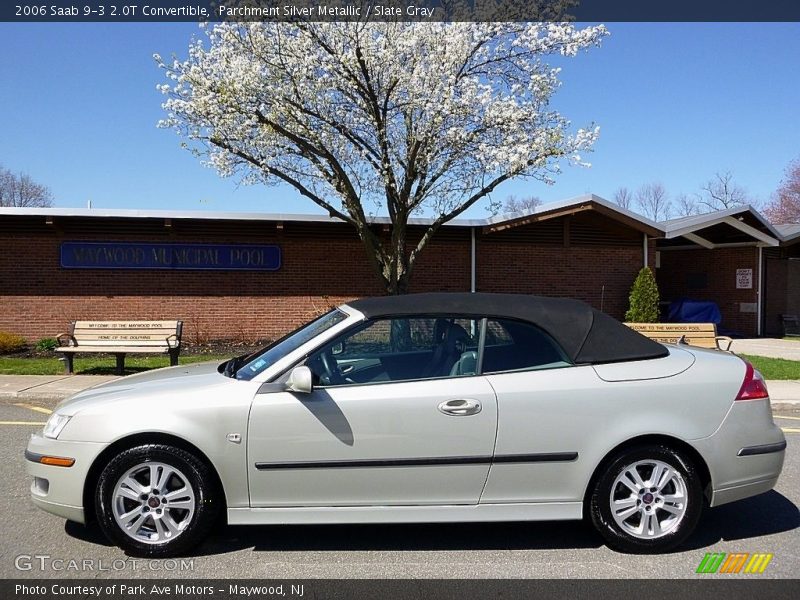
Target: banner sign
<point>740,585</point>
<point>192,257</point>
<point>266,11</point>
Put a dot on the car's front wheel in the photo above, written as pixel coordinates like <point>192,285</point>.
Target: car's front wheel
<point>156,500</point>
<point>647,499</point>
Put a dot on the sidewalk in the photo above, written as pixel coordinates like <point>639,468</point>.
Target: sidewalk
<point>784,392</point>
<point>47,387</point>
<point>58,387</point>
<point>788,349</point>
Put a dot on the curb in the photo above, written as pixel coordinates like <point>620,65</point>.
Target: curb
<point>782,405</point>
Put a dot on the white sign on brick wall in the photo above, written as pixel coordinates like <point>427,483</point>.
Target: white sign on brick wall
<point>744,279</point>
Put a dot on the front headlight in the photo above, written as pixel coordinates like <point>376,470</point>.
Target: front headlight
<point>54,425</point>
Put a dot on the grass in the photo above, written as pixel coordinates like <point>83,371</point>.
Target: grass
<point>93,364</point>
<point>771,368</point>
<point>775,368</point>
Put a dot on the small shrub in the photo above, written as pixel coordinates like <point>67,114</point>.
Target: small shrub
<point>643,299</point>
<point>11,342</point>
<point>46,345</point>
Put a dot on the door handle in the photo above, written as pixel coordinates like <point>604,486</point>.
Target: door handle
<point>460,407</point>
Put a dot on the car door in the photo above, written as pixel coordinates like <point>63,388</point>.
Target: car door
<point>551,417</point>
<point>400,430</point>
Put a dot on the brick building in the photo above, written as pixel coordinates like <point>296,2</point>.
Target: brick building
<point>782,280</point>
<point>720,256</point>
<point>247,276</point>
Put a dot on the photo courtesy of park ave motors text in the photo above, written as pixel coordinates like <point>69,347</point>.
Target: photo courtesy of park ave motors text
<point>298,306</point>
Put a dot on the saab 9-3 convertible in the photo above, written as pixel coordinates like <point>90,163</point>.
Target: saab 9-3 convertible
<point>443,407</point>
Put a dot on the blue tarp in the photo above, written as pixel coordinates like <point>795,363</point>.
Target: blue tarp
<point>694,311</point>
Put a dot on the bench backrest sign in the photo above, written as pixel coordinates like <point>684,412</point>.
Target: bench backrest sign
<point>135,333</point>
<point>695,334</point>
<point>168,256</point>
<point>672,327</point>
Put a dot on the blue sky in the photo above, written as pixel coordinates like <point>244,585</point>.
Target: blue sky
<point>675,103</point>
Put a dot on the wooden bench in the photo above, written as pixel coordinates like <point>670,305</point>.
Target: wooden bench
<point>702,335</point>
<point>120,338</point>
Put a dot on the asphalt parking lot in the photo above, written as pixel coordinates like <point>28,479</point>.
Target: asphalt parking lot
<point>766,523</point>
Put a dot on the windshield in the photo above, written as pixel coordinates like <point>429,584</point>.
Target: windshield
<point>255,363</point>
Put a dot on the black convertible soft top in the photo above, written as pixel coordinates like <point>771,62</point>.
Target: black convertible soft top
<point>585,334</point>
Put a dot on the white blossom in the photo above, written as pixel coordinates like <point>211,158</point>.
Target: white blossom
<point>411,117</point>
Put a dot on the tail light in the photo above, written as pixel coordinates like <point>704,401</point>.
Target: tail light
<point>753,386</point>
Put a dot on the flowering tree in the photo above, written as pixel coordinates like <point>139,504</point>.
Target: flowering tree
<point>785,206</point>
<point>392,117</point>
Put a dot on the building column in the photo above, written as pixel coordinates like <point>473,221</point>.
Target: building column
<point>472,259</point>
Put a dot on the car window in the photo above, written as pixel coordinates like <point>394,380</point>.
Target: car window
<point>257,362</point>
<point>398,349</point>
<point>514,345</point>
<point>496,335</point>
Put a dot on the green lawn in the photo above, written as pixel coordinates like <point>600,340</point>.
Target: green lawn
<point>775,368</point>
<point>771,368</point>
<point>93,364</point>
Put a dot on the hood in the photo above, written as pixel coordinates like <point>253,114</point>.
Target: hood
<point>150,383</point>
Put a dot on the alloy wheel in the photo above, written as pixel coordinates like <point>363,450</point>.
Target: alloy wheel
<point>648,499</point>
<point>153,502</point>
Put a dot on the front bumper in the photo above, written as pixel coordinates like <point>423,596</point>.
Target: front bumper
<point>59,490</point>
<point>745,455</point>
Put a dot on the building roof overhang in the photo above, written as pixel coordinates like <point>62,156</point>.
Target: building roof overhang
<point>744,223</point>
<point>790,233</point>
<point>735,225</point>
<point>497,223</point>
<point>590,202</point>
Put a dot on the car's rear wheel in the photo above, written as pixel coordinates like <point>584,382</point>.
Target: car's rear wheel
<point>156,500</point>
<point>647,499</point>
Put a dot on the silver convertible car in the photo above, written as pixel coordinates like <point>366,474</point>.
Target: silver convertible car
<point>418,408</point>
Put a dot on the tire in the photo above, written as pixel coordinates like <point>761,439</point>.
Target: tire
<point>664,516</point>
<point>155,527</point>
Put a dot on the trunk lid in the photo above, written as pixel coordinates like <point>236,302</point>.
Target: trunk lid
<point>678,361</point>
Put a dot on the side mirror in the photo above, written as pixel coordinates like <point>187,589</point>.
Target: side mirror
<point>338,348</point>
<point>299,380</point>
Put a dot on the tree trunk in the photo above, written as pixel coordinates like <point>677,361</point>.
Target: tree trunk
<point>398,286</point>
<point>389,260</point>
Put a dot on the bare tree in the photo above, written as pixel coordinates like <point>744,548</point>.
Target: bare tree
<point>652,200</point>
<point>685,206</point>
<point>785,206</point>
<point>722,192</point>
<point>524,204</point>
<point>21,190</point>
<point>624,198</point>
